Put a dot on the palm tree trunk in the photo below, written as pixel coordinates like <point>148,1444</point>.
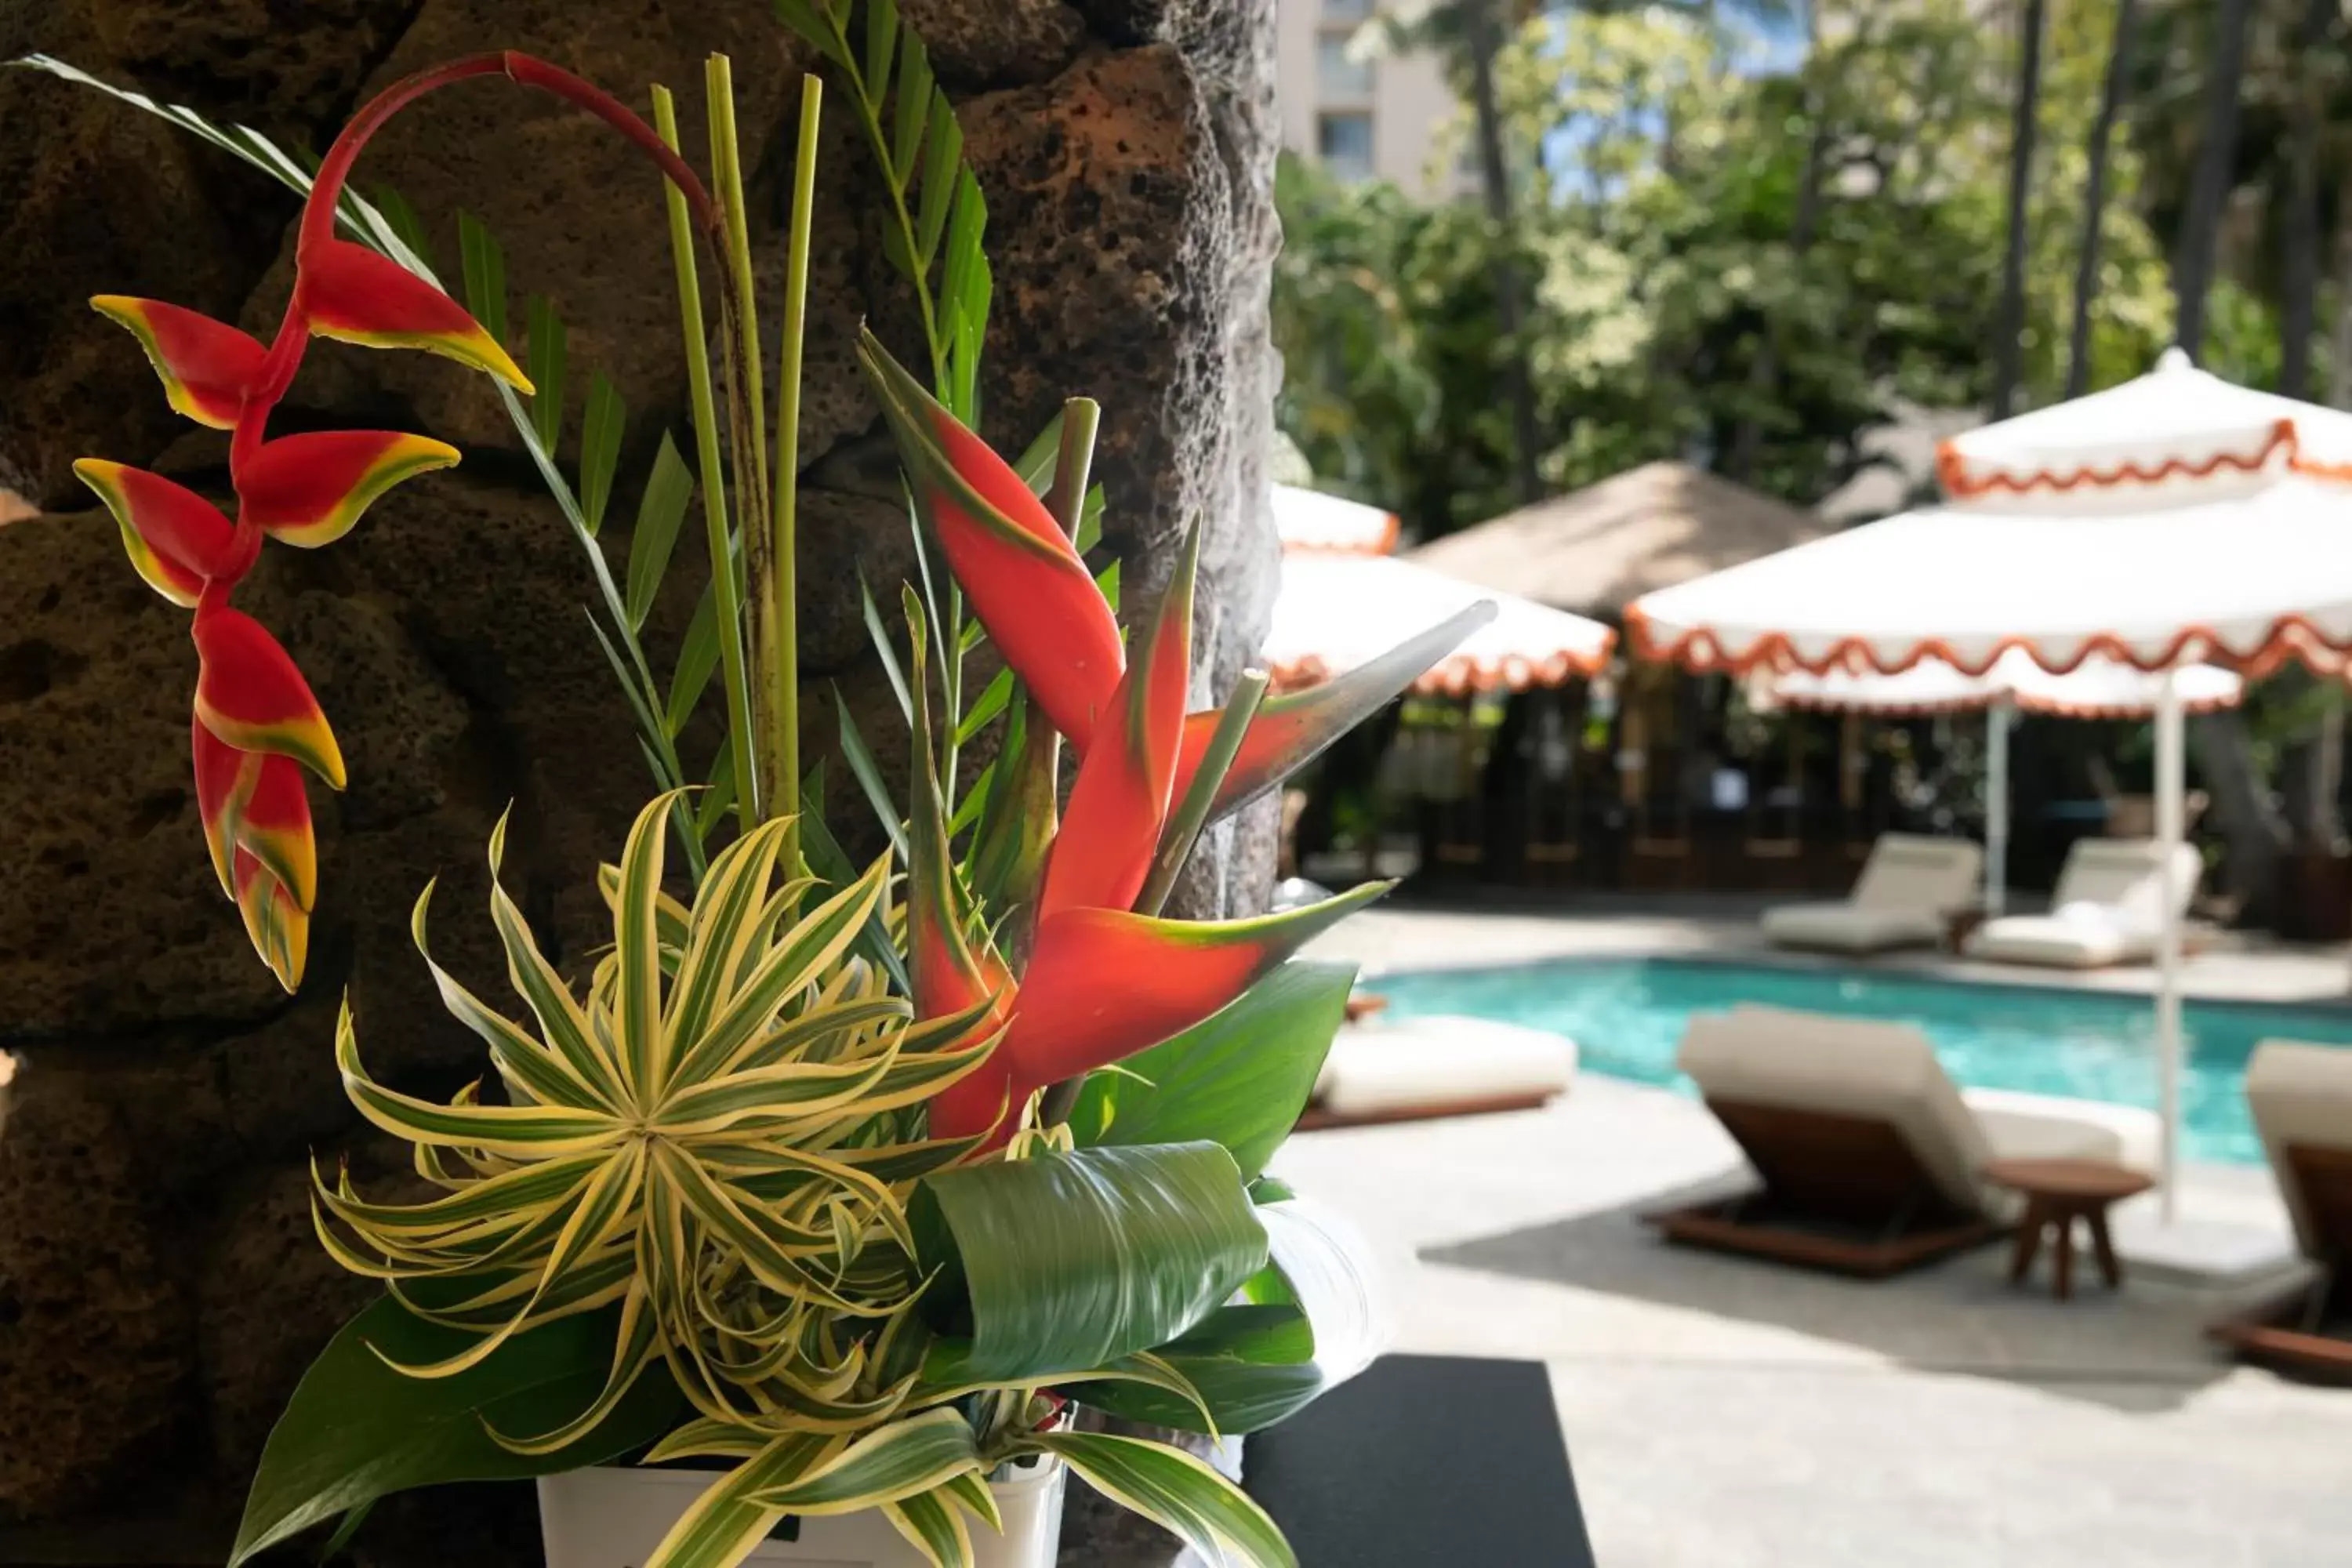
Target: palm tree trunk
<point>2094,201</point>
<point>2008,336</point>
<point>2209,187</point>
<point>1510,296</point>
<point>2299,260</point>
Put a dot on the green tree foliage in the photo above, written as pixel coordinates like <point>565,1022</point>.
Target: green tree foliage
<point>1666,170</point>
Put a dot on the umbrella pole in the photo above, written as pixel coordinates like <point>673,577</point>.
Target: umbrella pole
<point>1997,721</point>
<point>2170,765</point>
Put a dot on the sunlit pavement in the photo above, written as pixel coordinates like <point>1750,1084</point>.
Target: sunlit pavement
<point>1721,1413</point>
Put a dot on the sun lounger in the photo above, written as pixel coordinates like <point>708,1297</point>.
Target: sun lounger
<point>2107,909</point>
<point>1907,889</point>
<point>1379,1071</point>
<point>1868,1155</point>
<point>2301,1096</point>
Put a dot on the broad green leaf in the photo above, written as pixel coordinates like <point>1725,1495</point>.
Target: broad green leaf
<point>1070,1261</point>
<point>1180,1493</point>
<point>1315,1317</point>
<point>1252,1366</point>
<point>602,426</point>
<point>1240,1078</point>
<point>659,512</point>
<point>486,274</point>
<point>546,370</point>
<point>355,1430</point>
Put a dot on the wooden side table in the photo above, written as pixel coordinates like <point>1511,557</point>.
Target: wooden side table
<point>2058,1193</point>
<point>1961,924</point>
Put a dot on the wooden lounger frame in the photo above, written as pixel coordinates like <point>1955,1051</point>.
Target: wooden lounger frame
<point>1841,1192</point>
<point>2308,1332</point>
<point>1316,1117</point>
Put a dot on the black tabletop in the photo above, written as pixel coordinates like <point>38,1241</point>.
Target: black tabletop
<point>1425,1462</point>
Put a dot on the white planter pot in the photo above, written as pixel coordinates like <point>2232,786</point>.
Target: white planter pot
<point>612,1517</point>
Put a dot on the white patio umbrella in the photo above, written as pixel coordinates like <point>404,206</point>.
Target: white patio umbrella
<point>2174,519</point>
<point>1336,611</point>
<point>1309,519</point>
<point>2098,688</point>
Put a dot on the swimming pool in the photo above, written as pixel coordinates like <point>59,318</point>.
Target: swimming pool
<point>1627,1016</point>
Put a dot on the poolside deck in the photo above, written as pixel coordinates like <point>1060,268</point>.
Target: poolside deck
<point>1722,1413</point>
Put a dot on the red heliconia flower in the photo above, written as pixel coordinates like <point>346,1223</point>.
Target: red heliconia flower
<point>207,366</point>
<point>278,929</point>
<point>1291,729</point>
<point>1119,803</point>
<point>1023,574</point>
<point>253,803</point>
<point>249,694</point>
<point>1103,984</point>
<point>222,784</point>
<point>348,292</point>
<point>176,539</point>
<point>273,826</point>
<point>309,490</point>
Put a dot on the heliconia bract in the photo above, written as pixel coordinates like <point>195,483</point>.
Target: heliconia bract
<point>207,366</point>
<point>348,292</point>
<point>309,490</point>
<point>1023,574</point>
<point>1104,851</point>
<point>176,539</point>
<point>249,693</point>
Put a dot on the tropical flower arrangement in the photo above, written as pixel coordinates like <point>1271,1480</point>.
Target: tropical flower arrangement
<point>846,1186</point>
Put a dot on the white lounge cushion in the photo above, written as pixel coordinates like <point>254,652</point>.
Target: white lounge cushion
<point>2107,909</point>
<point>2301,1095</point>
<point>1432,1062</point>
<point>2066,940</point>
<point>1889,1072</point>
<point>2022,1126</point>
<point>2125,875</point>
<point>1851,928</point>
<point>1906,887</point>
<point>1912,871</point>
<point>1853,1066</point>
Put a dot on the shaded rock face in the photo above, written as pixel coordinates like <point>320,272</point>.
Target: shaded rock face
<point>159,1287</point>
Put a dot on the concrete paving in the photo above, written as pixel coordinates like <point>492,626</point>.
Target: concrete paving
<point>1722,1413</point>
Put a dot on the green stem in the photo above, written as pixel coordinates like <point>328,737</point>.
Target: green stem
<point>784,777</point>
<point>747,426</point>
<point>726,587</point>
<point>1192,813</point>
<point>1073,463</point>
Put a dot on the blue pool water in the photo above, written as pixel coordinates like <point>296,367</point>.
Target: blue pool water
<point>1627,1016</point>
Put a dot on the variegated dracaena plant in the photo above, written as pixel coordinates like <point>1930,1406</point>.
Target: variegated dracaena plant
<point>808,1178</point>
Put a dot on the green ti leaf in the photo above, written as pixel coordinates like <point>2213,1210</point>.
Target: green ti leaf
<point>356,1430</point>
<point>484,265</point>
<point>1070,1261</point>
<point>659,512</point>
<point>546,370</point>
<point>601,430</point>
<point>1240,1078</point>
